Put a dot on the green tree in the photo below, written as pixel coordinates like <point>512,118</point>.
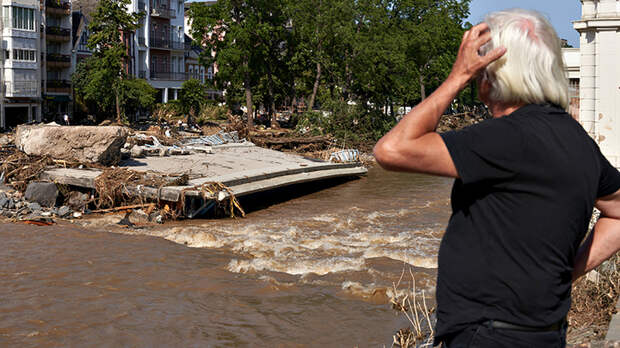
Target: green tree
<point>110,24</point>
<point>193,95</point>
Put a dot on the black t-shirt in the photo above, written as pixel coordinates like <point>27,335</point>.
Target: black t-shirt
<point>527,186</point>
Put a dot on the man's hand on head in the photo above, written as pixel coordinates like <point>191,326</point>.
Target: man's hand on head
<point>469,63</point>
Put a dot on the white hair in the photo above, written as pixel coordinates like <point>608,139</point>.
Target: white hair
<point>532,70</point>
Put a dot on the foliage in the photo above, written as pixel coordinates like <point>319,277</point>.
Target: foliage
<point>193,95</point>
<point>103,71</point>
<point>211,113</point>
<point>371,57</point>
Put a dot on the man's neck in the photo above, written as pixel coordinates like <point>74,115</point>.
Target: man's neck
<point>500,109</point>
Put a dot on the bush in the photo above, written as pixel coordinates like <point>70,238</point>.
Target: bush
<point>210,112</point>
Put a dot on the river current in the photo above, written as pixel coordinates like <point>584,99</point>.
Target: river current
<point>314,270</point>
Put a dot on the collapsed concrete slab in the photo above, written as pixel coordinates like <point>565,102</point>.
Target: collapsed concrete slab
<point>87,144</point>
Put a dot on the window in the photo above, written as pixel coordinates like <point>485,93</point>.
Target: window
<point>7,54</point>
<point>23,55</point>
<point>210,73</point>
<point>23,18</point>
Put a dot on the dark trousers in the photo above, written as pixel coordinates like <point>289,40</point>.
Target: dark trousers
<point>485,336</point>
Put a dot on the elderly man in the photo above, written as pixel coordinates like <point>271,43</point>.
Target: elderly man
<point>526,183</point>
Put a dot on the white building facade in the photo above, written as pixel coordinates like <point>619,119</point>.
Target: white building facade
<point>20,70</point>
<point>598,71</point>
<point>158,49</point>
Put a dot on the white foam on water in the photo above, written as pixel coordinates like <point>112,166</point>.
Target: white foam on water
<point>322,244</point>
<point>296,266</point>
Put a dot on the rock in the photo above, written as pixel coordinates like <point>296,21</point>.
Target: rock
<point>138,216</point>
<point>44,193</point>
<point>125,154</point>
<point>163,152</point>
<point>77,215</point>
<point>11,204</point>
<point>64,211</point>
<point>77,200</point>
<point>34,207</point>
<point>88,144</point>
<point>137,152</point>
<point>4,202</point>
<point>593,276</point>
<point>3,195</point>
<point>5,140</point>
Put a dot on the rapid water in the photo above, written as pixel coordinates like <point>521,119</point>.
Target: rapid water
<point>314,270</point>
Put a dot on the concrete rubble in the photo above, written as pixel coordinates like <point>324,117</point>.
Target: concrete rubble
<point>77,170</point>
<point>85,144</point>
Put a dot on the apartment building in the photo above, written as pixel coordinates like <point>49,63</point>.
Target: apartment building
<point>56,46</point>
<point>20,67</point>
<point>158,48</point>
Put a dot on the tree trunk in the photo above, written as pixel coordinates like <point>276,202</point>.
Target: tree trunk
<point>315,89</point>
<point>118,106</point>
<point>248,97</point>
<point>422,88</point>
<point>272,100</point>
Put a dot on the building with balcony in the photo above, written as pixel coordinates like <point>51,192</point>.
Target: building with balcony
<point>57,58</point>
<point>158,47</point>
<point>20,67</point>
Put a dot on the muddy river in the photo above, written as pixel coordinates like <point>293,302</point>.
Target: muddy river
<point>314,270</point>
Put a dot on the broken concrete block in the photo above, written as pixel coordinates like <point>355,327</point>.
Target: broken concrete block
<point>137,152</point>
<point>43,193</point>
<point>34,207</point>
<point>64,211</point>
<point>87,144</point>
<point>77,200</point>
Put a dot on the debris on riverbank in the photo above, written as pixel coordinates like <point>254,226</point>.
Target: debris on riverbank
<point>121,169</point>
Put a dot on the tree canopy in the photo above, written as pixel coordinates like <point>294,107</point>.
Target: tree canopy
<point>378,54</point>
<point>106,70</point>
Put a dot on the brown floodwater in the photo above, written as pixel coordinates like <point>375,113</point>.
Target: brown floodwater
<point>313,270</point>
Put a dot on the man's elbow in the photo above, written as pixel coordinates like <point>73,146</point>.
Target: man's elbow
<point>387,156</point>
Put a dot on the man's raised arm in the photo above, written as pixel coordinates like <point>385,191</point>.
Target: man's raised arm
<point>413,145</point>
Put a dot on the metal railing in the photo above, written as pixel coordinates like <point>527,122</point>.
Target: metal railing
<point>58,31</point>
<point>58,86</point>
<point>163,12</point>
<point>141,41</point>
<point>169,75</point>
<point>65,5</point>
<point>156,42</point>
<point>57,57</point>
<point>21,88</point>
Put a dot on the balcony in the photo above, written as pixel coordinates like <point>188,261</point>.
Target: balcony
<point>58,61</point>
<point>169,75</point>
<point>163,12</point>
<point>57,34</point>
<point>23,89</point>
<point>58,8</point>
<point>155,42</point>
<point>141,41</point>
<point>58,86</point>
<point>141,6</point>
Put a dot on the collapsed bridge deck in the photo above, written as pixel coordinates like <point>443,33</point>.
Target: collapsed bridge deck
<point>244,168</point>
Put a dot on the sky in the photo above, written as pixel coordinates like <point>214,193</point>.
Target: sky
<point>561,13</point>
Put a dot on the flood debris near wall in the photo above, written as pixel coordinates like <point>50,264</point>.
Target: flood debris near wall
<point>57,172</point>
